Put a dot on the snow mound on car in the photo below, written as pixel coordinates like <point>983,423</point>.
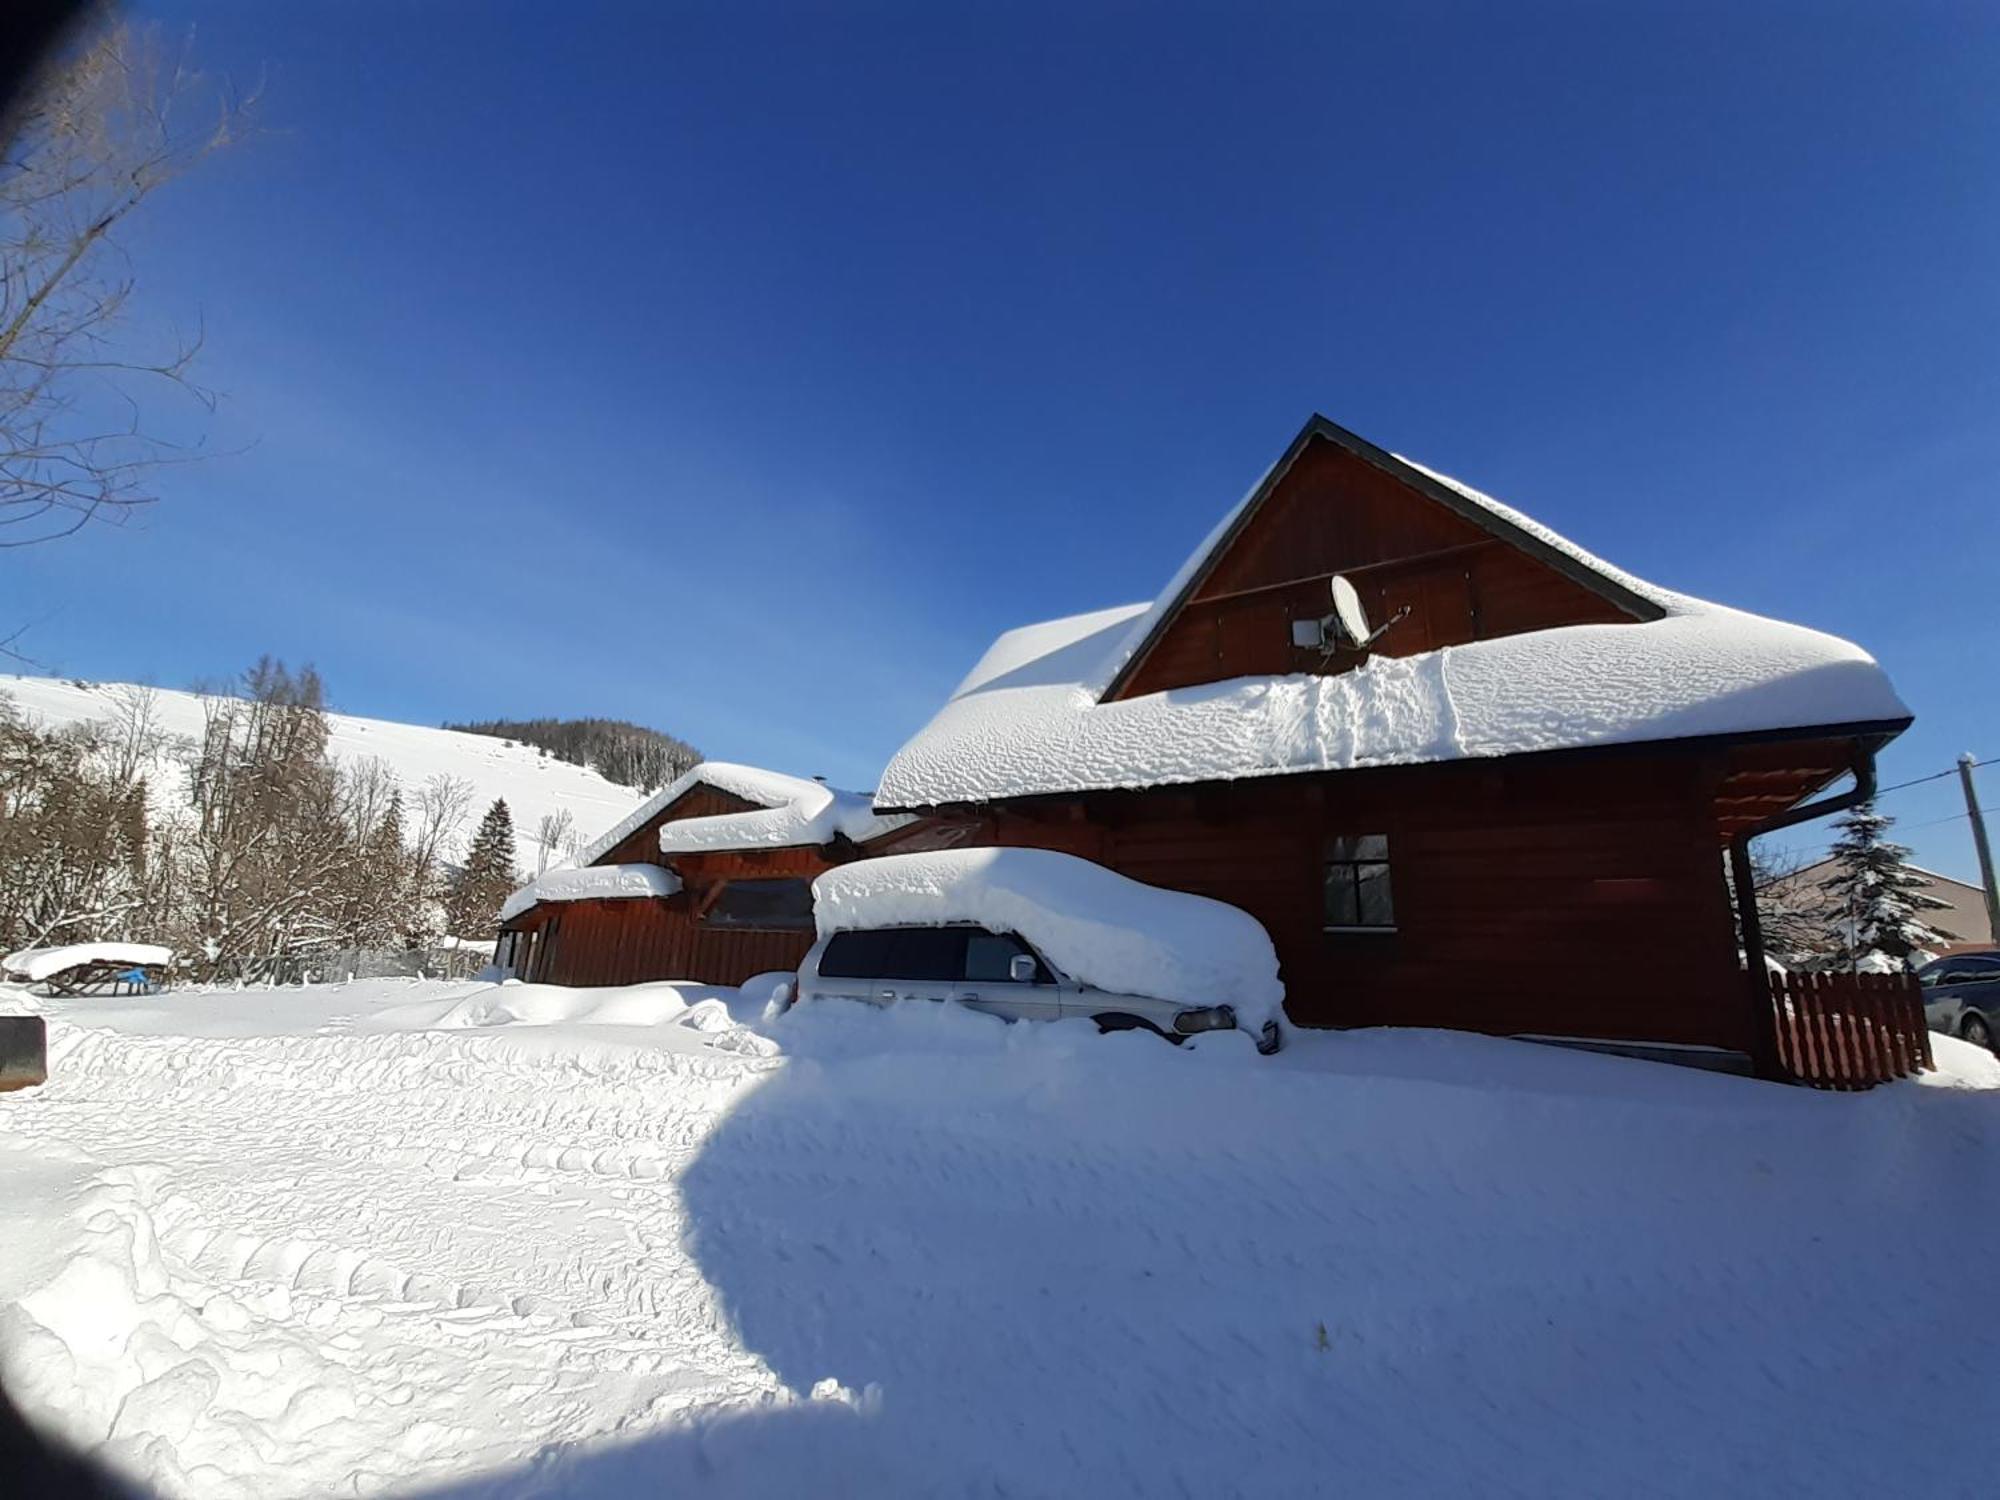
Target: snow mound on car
<point>1096,925</point>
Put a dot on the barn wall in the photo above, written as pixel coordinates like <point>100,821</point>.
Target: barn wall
<point>1334,512</point>
<point>626,942</point>
<point>1569,897</point>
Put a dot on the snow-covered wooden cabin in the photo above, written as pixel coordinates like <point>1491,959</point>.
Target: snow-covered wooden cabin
<point>709,879</point>
<point>1506,813</point>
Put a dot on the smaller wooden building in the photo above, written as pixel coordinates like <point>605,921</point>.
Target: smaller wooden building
<point>709,880</point>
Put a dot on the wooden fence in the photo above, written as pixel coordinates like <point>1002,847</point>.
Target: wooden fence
<point>1850,1031</point>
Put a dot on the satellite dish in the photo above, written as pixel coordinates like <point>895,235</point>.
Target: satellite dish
<point>1347,611</point>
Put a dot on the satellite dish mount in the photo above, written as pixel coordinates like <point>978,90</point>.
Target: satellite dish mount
<point>1347,627</point>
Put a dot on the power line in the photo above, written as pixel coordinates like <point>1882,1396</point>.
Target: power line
<point>1883,791</point>
<point>1932,823</point>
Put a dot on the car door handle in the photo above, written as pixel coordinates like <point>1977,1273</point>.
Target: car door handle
<point>968,995</point>
<point>888,994</point>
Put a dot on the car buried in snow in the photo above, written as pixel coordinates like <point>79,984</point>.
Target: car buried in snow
<point>999,973</point>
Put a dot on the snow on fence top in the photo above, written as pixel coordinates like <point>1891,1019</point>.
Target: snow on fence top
<point>790,811</point>
<point>1096,925</point>
<point>37,964</point>
<point>1027,719</point>
<point>593,883</point>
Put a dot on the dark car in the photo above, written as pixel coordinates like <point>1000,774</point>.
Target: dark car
<point>1962,996</point>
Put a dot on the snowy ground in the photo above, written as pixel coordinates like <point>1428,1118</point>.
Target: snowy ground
<point>467,1241</point>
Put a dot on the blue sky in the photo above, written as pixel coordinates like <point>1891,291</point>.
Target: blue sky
<point>743,369</point>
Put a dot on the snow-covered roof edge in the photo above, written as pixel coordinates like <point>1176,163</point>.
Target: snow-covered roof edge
<point>848,813</point>
<point>593,883</point>
<point>1035,716</point>
<point>1634,594</point>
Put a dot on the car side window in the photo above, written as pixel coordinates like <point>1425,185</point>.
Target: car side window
<point>934,953</point>
<point>854,955</point>
<point>989,958</point>
<point>1975,971</point>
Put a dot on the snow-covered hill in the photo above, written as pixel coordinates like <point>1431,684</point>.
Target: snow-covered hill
<point>534,785</point>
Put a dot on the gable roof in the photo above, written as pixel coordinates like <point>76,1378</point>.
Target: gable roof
<point>789,811</point>
<point>1636,598</point>
<point>1037,715</point>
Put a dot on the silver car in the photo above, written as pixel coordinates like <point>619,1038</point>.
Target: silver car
<point>997,972</point>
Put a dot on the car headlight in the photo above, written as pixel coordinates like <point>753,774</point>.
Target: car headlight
<point>1205,1018</point>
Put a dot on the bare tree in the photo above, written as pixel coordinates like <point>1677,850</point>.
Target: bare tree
<point>134,737</point>
<point>554,834</point>
<point>105,129</point>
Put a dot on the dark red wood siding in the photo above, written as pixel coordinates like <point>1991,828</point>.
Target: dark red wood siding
<point>1333,512</point>
<point>1567,896</point>
<point>642,845</point>
<point>627,942</point>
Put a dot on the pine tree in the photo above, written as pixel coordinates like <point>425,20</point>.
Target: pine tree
<point>1876,898</point>
<point>487,875</point>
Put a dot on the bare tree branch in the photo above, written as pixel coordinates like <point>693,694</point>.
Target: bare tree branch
<point>109,126</point>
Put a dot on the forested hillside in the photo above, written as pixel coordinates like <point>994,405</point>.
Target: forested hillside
<point>629,754</point>
<point>252,827</point>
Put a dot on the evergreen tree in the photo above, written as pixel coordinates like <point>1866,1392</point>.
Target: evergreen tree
<point>487,875</point>
<point>1877,899</point>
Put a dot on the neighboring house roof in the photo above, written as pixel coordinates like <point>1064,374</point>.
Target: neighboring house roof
<point>1037,715</point>
<point>1963,917</point>
<point>790,811</point>
<point>593,883</point>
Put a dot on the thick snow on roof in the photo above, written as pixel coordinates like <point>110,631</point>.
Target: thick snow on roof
<point>791,811</point>
<point>1027,719</point>
<point>1094,924</point>
<point>592,883</point>
<point>37,964</point>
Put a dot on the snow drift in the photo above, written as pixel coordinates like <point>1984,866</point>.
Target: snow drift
<point>501,1242</point>
<point>1096,925</point>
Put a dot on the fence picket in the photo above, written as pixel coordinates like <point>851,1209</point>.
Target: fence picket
<point>1849,1031</point>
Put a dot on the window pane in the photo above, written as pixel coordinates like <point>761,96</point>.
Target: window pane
<point>988,955</point>
<point>1376,909</point>
<point>855,955</point>
<point>1342,906</point>
<point>925,953</point>
<point>768,905</point>
<point>1360,846</point>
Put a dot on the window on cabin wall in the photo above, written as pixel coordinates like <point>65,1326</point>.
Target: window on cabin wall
<point>763,906</point>
<point>1358,897</point>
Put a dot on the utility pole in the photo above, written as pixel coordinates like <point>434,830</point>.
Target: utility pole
<point>1979,842</point>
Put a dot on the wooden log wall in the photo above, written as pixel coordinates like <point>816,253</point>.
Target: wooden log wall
<point>1569,897</point>
<point>1333,512</point>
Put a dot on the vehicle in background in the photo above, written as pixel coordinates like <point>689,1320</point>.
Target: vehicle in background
<point>1962,996</point>
<point>996,972</point>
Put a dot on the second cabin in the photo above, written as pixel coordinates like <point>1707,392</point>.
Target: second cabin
<point>709,880</point>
